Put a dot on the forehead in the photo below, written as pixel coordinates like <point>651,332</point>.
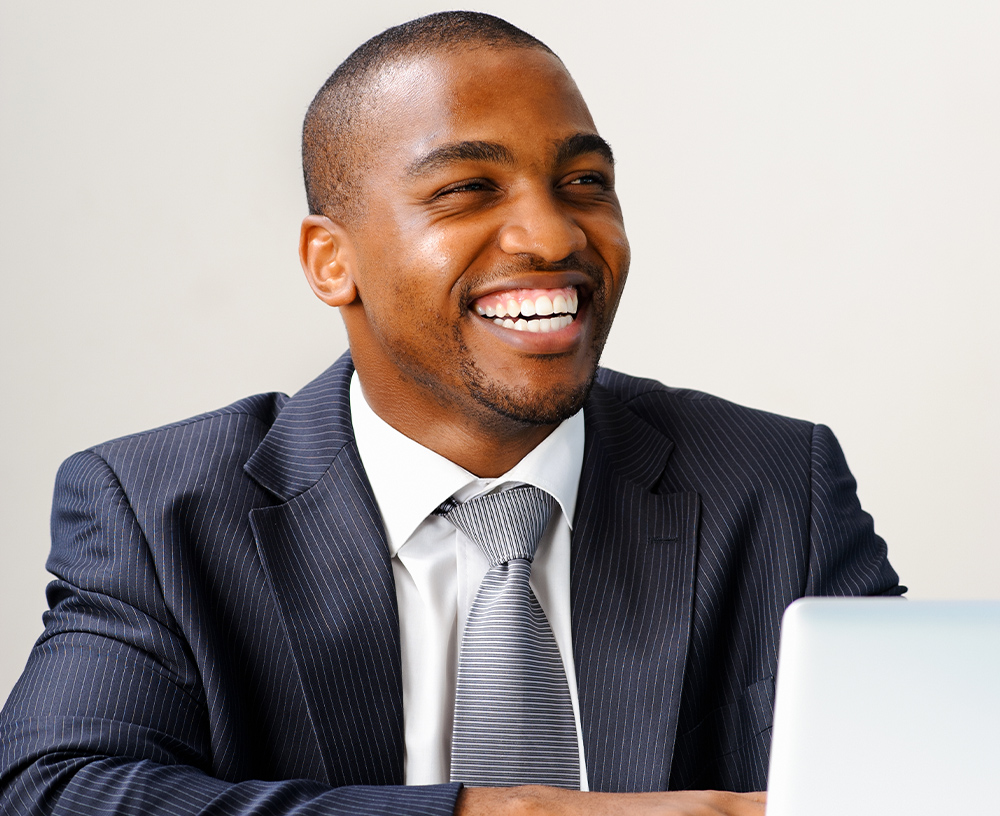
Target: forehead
<point>520,97</point>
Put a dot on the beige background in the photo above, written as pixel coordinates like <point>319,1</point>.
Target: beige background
<point>812,191</point>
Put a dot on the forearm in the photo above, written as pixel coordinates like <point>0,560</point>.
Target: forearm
<point>540,801</point>
<point>56,757</point>
<point>108,786</point>
<point>113,787</point>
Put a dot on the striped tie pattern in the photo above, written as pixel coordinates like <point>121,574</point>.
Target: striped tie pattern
<point>513,715</point>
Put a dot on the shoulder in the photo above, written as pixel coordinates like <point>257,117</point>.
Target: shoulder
<point>686,410</point>
<point>248,418</point>
<point>193,449</point>
<point>716,446</point>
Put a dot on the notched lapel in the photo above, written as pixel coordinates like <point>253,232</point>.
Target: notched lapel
<point>326,558</point>
<point>632,584</point>
<point>324,551</point>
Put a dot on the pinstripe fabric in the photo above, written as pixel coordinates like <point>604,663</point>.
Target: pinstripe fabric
<point>761,509</point>
<point>514,721</point>
<point>222,634</point>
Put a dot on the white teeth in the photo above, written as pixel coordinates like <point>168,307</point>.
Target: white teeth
<point>561,307</point>
<point>542,305</point>
<point>543,325</point>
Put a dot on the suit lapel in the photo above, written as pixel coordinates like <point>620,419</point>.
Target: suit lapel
<point>323,548</point>
<point>632,585</point>
<point>632,578</point>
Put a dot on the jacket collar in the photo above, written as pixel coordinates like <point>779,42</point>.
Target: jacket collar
<point>324,552</point>
<point>310,431</point>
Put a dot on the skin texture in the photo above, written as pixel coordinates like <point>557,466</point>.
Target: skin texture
<point>536,801</point>
<point>484,175</point>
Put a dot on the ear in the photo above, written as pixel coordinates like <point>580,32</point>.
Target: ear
<point>327,257</point>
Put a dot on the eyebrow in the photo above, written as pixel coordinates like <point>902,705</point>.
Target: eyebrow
<point>459,152</point>
<point>582,143</point>
<point>578,144</point>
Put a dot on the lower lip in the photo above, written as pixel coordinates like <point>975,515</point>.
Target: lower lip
<point>564,340</point>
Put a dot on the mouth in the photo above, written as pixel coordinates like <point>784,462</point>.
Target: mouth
<point>539,311</point>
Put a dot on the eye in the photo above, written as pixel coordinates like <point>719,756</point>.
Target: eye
<point>468,186</point>
<point>590,178</point>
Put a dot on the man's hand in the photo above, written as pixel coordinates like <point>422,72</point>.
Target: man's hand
<point>535,800</point>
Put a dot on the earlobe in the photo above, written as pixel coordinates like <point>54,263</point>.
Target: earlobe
<point>327,258</point>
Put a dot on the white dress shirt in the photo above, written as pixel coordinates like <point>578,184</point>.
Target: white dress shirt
<point>437,569</point>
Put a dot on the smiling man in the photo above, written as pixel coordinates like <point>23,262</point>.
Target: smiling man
<point>464,570</point>
<point>480,271</point>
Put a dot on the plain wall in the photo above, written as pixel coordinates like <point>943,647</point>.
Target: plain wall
<point>812,192</point>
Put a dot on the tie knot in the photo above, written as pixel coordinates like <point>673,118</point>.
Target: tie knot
<point>507,524</point>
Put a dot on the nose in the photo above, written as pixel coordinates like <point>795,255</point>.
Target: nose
<point>538,224</point>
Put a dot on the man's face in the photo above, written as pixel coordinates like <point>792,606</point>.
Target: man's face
<point>491,253</point>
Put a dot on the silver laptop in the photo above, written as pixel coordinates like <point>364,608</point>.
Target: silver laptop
<point>887,706</point>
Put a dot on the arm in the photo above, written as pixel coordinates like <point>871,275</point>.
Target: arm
<point>846,556</point>
<point>539,801</point>
<point>109,715</point>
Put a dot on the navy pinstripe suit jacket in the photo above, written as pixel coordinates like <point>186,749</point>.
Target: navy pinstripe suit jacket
<point>223,634</point>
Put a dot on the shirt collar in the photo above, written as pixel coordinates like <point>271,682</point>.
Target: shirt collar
<point>409,481</point>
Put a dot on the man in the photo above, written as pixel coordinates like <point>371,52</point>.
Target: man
<point>274,607</point>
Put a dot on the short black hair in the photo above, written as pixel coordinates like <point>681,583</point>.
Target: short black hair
<point>333,133</point>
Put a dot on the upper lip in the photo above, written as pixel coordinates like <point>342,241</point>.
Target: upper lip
<point>583,283</point>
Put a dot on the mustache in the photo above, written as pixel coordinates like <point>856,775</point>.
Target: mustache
<point>520,265</point>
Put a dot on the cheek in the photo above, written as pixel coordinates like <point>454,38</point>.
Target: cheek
<point>625,259</point>
<point>612,244</point>
<point>443,257</point>
<point>432,248</point>
<point>431,274</point>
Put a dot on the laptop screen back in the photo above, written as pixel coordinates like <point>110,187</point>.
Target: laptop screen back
<point>887,705</point>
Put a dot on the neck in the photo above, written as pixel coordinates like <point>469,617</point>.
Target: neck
<point>486,445</point>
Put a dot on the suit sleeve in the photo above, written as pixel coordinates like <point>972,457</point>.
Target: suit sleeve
<point>846,556</point>
<point>109,715</point>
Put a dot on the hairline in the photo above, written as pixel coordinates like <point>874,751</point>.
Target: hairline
<point>334,153</point>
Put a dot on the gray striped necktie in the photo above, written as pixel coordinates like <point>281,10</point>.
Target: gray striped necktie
<point>513,715</point>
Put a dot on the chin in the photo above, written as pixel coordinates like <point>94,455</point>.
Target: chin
<point>527,406</point>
